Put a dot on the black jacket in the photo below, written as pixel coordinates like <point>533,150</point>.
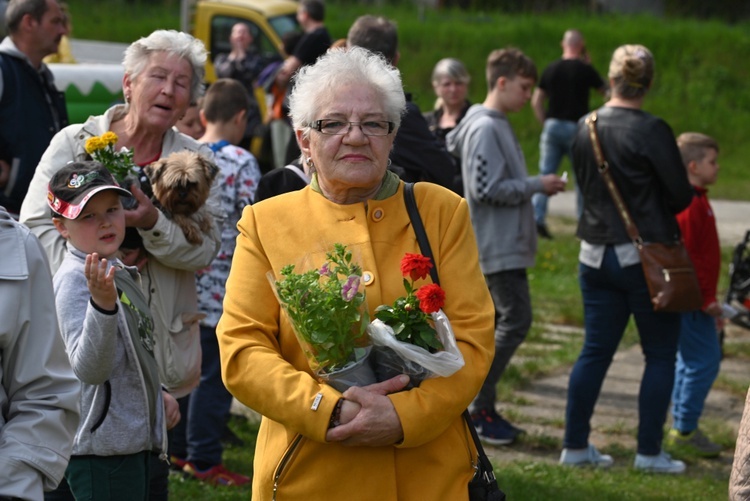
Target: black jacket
<point>32,111</point>
<point>417,154</point>
<point>647,168</point>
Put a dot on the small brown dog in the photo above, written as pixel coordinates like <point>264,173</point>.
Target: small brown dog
<point>181,183</point>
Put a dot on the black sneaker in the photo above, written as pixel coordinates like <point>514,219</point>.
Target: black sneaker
<point>492,428</point>
<point>542,231</point>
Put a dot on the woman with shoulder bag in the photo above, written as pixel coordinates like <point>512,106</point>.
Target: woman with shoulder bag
<point>646,167</point>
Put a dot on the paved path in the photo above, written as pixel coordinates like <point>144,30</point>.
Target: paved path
<point>540,407</point>
<point>732,217</point>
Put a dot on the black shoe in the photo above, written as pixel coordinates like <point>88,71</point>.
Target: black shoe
<point>493,429</point>
<point>542,231</point>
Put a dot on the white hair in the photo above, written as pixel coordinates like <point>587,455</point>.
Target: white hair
<point>322,81</point>
<point>175,43</point>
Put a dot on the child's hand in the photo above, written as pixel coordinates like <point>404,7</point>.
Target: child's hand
<point>101,283</point>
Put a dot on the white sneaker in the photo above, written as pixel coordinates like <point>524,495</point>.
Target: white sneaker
<point>586,457</point>
<point>660,463</point>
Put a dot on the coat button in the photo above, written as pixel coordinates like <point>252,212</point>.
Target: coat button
<point>377,214</point>
<point>368,277</point>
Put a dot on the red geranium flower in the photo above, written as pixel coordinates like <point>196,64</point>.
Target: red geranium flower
<point>431,298</point>
<point>415,266</point>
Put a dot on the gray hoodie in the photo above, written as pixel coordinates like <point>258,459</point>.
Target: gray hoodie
<point>497,189</point>
<point>118,415</point>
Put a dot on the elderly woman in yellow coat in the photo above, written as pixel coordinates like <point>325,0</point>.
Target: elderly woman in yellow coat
<point>390,444</point>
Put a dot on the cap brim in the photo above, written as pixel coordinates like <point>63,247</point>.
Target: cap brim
<point>73,209</point>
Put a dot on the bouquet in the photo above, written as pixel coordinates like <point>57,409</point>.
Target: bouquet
<point>102,149</point>
<point>326,307</point>
<point>413,336</point>
<point>119,163</point>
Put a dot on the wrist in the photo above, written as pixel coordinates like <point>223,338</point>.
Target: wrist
<point>103,309</point>
<point>336,414</point>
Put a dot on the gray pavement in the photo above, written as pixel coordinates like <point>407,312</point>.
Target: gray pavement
<point>732,217</point>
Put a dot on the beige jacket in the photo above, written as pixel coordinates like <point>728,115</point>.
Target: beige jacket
<point>169,276</point>
<point>739,480</point>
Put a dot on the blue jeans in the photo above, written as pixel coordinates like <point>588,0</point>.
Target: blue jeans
<point>555,143</point>
<point>698,361</point>
<point>510,294</point>
<point>610,295</point>
<point>205,411</point>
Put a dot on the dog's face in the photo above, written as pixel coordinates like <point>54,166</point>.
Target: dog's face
<point>181,182</point>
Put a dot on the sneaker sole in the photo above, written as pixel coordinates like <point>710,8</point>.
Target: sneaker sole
<point>659,470</point>
<point>496,441</point>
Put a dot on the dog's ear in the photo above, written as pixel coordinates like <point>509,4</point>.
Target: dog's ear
<point>155,169</point>
<point>209,167</point>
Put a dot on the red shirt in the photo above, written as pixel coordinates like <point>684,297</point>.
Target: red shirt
<point>698,227</point>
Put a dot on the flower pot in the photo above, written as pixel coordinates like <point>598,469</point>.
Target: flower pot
<point>389,364</point>
<point>356,373</point>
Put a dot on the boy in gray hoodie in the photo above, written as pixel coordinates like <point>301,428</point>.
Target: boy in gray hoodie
<point>107,328</point>
<point>498,191</point>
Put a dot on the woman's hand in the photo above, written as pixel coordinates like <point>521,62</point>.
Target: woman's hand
<point>145,215</point>
<point>368,416</point>
<point>171,410</point>
<point>134,257</point>
<point>100,282</point>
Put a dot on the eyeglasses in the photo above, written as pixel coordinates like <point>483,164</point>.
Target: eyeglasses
<point>339,127</point>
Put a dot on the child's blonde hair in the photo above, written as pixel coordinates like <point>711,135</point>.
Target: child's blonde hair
<point>693,146</point>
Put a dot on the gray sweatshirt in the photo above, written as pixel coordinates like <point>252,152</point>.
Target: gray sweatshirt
<point>115,406</point>
<point>497,189</point>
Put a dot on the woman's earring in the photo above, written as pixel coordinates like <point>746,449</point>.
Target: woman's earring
<point>309,161</point>
<point>389,162</point>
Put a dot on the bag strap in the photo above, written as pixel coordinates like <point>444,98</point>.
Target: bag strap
<point>424,246</point>
<point>609,182</point>
<point>416,222</point>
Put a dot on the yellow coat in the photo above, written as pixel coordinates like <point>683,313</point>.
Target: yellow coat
<point>264,367</point>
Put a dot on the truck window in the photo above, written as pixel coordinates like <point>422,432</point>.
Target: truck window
<point>284,24</point>
<point>221,28</point>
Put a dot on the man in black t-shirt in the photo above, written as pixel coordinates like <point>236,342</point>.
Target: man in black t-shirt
<point>565,84</point>
<point>313,44</point>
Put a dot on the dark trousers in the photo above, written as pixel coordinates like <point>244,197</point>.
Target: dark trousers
<point>611,294</point>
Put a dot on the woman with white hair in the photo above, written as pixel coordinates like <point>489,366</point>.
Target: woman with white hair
<point>163,75</point>
<point>376,441</point>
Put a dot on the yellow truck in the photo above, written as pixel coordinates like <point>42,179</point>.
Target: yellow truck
<point>90,88</point>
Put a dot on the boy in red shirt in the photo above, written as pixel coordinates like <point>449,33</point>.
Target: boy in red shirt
<point>699,353</point>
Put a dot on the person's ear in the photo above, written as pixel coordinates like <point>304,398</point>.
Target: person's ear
<point>304,143</point>
<point>202,118</point>
<point>127,87</point>
<point>501,82</point>
<point>692,167</point>
<point>60,226</point>
<point>240,118</point>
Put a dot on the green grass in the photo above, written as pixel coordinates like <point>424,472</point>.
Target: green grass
<point>700,82</point>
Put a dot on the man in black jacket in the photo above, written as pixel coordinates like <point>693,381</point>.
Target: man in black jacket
<point>32,110</point>
<point>417,155</point>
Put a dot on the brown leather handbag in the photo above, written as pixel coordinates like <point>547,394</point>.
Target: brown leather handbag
<point>670,274</point>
